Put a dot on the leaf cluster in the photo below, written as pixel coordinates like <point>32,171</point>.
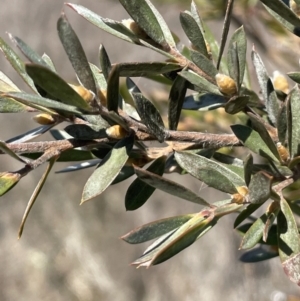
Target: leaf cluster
<point>107,132</point>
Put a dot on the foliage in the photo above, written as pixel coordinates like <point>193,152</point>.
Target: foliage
<point>106,131</point>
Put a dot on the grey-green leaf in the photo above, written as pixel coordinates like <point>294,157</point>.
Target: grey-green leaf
<point>252,140</point>
<point>56,86</point>
<point>149,19</point>
<point>203,102</point>
<point>28,52</point>
<point>75,53</point>
<point>204,63</point>
<point>150,116</point>
<point>200,82</point>
<point>238,47</point>
<point>288,233</point>
<point>108,170</point>
<point>155,229</point>
<point>176,99</point>
<point>210,172</point>
<point>169,186</point>
<point>294,122</point>
<point>139,192</point>
<point>16,63</point>
<point>193,32</point>
<point>43,104</point>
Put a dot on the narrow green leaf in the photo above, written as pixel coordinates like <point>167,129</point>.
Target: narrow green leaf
<point>146,68</point>
<point>288,233</point>
<point>271,239</point>
<point>272,104</point>
<point>85,132</point>
<point>259,229</point>
<point>112,27</point>
<point>259,188</point>
<point>203,102</point>
<point>237,48</point>
<point>200,82</point>
<point>246,213</point>
<point>16,63</point>
<point>204,63</point>
<point>295,76</point>
<point>236,104</point>
<point>139,192</point>
<point>252,140</point>
<point>28,52</point>
<point>261,73</point>
<point>29,135</point>
<point>150,116</point>
<point>282,123</point>
<point>42,103</point>
<point>254,233</point>
<point>294,122</point>
<point>169,186</point>
<point>99,77</point>
<point>79,166</point>
<point>176,99</point>
<point>108,169</point>
<point>104,61</point>
<point>7,181</point>
<point>150,20</point>
<point>35,194</point>
<point>9,105</point>
<point>193,31</point>
<point>75,53</point>
<point>258,255</point>
<point>259,125</point>
<point>284,12</point>
<point>210,172</point>
<point>125,173</point>
<point>248,167</point>
<point>196,16</point>
<point>155,229</point>
<point>113,89</point>
<point>49,62</point>
<point>56,86</point>
<point>178,240</point>
<point>225,30</point>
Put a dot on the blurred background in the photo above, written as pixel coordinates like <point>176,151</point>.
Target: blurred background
<point>72,252</point>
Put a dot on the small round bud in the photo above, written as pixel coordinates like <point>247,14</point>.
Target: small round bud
<point>44,119</point>
<point>116,132</point>
<point>135,28</point>
<point>226,84</point>
<point>86,94</point>
<point>240,196</point>
<point>295,7</point>
<point>283,152</point>
<point>280,82</point>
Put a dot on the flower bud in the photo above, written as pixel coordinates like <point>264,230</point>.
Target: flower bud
<point>240,196</point>
<point>295,7</point>
<point>44,119</point>
<point>135,28</point>
<point>116,132</point>
<point>226,84</point>
<point>86,94</point>
<point>280,82</point>
<point>283,152</point>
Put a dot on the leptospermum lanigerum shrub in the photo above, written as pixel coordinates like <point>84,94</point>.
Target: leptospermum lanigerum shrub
<point>110,134</point>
